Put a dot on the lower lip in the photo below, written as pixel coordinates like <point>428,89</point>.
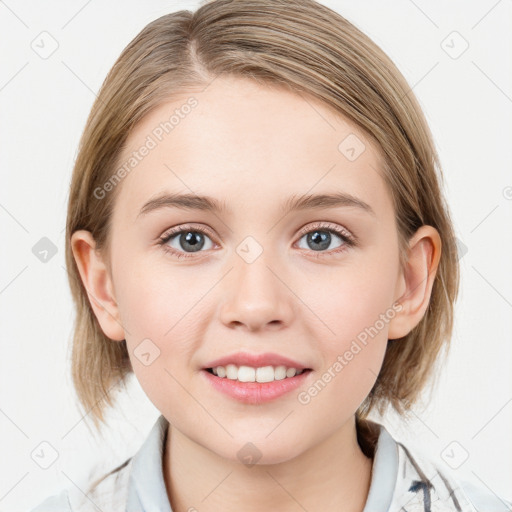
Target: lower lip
<point>255,392</point>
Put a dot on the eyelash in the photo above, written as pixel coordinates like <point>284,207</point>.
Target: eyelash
<point>348,240</point>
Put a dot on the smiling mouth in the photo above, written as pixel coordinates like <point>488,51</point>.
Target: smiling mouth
<point>256,386</point>
<point>250,376</point>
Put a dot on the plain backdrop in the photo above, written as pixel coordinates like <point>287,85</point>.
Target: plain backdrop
<point>456,56</point>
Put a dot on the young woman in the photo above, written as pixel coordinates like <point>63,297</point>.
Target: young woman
<point>256,230</point>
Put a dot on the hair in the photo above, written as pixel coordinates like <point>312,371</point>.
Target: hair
<point>303,47</point>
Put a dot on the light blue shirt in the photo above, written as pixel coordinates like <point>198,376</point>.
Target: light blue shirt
<point>401,482</point>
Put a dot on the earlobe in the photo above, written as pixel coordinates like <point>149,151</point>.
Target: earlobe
<point>97,281</point>
<point>417,281</point>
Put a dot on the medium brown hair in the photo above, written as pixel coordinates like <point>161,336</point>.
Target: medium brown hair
<point>301,46</point>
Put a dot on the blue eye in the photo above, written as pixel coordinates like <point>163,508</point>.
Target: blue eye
<point>192,239</point>
<point>187,240</point>
<point>319,238</point>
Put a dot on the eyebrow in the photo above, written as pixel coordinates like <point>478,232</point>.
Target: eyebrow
<point>294,203</point>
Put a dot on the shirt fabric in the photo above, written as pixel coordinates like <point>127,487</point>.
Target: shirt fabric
<point>401,481</point>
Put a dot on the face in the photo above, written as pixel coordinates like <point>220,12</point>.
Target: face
<point>315,284</point>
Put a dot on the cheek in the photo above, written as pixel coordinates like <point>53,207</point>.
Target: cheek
<point>352,357</point>
<point>159,317</point>
<point>153,299</point>
<point>355,308</point>
<point>348,300</point>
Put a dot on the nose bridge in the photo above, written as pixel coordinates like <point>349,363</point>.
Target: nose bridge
<point>254,295</point>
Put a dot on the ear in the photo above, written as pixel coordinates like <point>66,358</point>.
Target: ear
<point>416,281</point>
<point>98,283</point>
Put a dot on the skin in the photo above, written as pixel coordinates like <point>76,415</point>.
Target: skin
<point>253,147</point>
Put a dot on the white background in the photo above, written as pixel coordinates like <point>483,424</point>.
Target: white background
<point>44,105</point>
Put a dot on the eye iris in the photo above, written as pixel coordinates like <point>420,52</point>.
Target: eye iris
<point>323,238</point>
<point>194,239</point>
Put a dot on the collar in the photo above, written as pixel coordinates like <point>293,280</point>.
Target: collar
<point>146,485</point>
<point>384,470</point>
<point>147,491</point>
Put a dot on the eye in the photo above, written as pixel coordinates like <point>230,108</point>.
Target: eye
<point>319,238</point>
<point>185,241</point>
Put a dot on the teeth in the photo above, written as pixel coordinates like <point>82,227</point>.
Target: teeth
<point>250,374</point>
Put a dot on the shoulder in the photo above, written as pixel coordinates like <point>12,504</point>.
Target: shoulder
<point>108,492</point>
<point>484,499</point>
<point>56,503</point>
<point>421,482</point>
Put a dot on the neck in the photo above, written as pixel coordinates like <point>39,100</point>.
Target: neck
<point>333,473</point>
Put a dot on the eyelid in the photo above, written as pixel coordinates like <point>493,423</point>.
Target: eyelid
<point>303,231</point>
<point>328,226</point>
<point>186,227</point>
<point>171,232</point>
<point>349,239</point>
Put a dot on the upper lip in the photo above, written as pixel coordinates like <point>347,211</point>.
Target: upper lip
<point>256,360</point>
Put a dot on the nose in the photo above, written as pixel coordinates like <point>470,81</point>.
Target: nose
<point>256,296</point>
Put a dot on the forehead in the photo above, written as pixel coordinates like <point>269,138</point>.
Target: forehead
<point>243,142</point>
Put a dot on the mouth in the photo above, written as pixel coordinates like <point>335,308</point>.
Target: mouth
<point>259,375</point>
<point>255,386</point>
